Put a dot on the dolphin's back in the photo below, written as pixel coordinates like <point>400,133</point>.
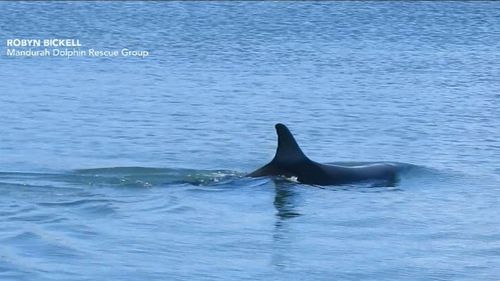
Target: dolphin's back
<point>347,174</point>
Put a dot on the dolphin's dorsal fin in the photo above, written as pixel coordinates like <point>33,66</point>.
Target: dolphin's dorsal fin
<point>288,150</point>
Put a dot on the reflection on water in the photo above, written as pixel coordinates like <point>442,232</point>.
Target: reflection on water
<point>284,202</point>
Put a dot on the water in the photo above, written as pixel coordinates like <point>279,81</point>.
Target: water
<point>133,169</point>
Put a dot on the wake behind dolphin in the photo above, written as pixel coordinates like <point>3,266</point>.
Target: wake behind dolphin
<point>291,162</point>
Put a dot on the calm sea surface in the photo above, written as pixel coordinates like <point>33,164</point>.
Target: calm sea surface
<point>133,169</point>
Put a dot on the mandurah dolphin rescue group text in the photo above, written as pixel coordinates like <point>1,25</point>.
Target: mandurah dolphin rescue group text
<point>74,52</point>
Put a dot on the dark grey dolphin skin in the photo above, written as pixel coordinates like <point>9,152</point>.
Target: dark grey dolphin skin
<point>291,162</point>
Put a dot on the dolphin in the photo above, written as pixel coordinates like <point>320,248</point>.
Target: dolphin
<point>290,162</point>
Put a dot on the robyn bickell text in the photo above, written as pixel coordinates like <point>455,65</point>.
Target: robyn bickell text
<point>43,42</point>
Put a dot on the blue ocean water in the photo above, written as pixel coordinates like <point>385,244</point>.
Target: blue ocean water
<point>133,168</point>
